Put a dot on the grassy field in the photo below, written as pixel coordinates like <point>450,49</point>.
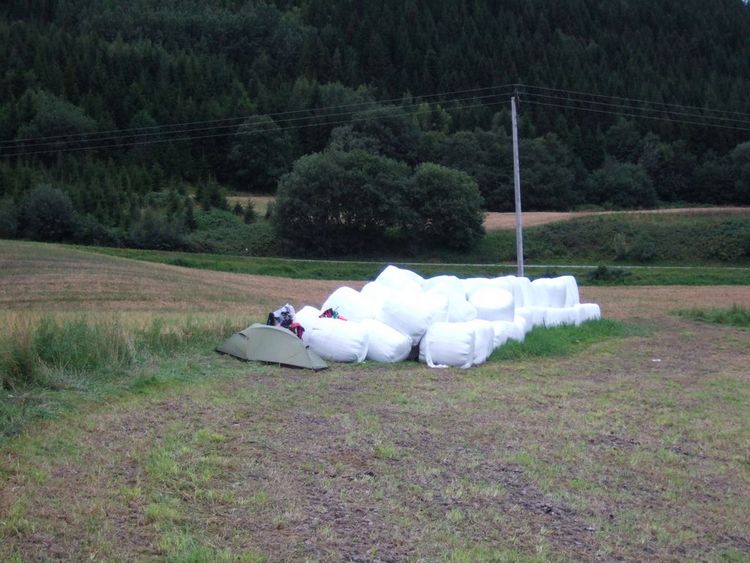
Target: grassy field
<point>358,270</point>
<point>627,440</point>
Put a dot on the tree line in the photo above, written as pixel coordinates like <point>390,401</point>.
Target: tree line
<point>264,87</point>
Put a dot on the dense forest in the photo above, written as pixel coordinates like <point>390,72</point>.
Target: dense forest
<point>126,121</point>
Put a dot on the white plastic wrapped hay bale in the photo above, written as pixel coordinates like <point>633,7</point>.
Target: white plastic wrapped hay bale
<point>448,345</point>
<point>558,292</point>
<point>550,292</point>
<point>484,340</point>
<point>350,303</point>
<point>534,315</point>
<point>386,344</point>
<point>337,340</point>
<point>470,285</point>
<point>572,297</point>
<point>506,330</point>
<point>523,295</point>
<point>412,313</point>
<point>493,303</point>
<point>451,283</point>
<point>375,294</point>
<point>439,305</point>
<point>558,316</point>
<point>400,279</point>
<point>522,326</point>
<point>588,312</point>
<point>307,317</point>
<point>459,309</point>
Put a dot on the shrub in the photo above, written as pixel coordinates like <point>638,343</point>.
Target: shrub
<point>602,275</point>
<point>338,202</point>
<point>153,230</point>
<point>8,218</point>
<point>223,232</point>
<point>259,154</point>
<point>87,230</point>
<point>447,207</point>
<point>621,186</point>
<point>46,214</point>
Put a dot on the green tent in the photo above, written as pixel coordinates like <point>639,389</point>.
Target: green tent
<point>273,344</point>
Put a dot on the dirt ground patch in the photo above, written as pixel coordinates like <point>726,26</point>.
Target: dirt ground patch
<point>507,221</point>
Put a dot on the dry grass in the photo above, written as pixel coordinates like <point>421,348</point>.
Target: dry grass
<point>260,202</point>
<point>507,221</point>
<point>45,278</point>
<point>49,278</point>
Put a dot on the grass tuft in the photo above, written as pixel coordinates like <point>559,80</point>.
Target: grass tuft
<point>733,316</point>
<point>560,341</point>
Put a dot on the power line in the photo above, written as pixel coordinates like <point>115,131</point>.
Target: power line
<point>641,101</point>
<point>325,116</point>
<point>227,134</point>
<point>634,108</point>
<point>288,120</point>
<point>638,116</point>
<point>160,128</point>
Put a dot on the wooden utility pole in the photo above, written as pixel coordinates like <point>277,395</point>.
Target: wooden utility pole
<point>517,185</point>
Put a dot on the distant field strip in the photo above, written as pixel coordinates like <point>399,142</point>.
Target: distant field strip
<point>43,278</point>
<point>495,221</point>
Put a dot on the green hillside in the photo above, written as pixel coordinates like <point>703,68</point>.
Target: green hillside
<point>143,113</point>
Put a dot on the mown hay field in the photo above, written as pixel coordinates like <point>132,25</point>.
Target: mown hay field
<point>634,447</point>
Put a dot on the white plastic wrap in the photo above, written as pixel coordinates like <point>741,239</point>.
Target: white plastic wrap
<point>484,340</point>
<point>549,292</point>
<point>350,303</point>
<point>400,279</point>
<point>409,313</point>
<point>448,345</point>
<point>470,285</point>
<point>493,303</point>
<point>588,312</point>
<point>523,325</point>
<point>451,283</point>
<point>386,344</point>
<point>307,316</point>
<point>507,330</point>
<point>459,309</point>
<point>561,316</point>
<point>375,294</point>
<point>337,340</point>
<point>556,292</point>
<point>534,315</point>
<point>523,295</point>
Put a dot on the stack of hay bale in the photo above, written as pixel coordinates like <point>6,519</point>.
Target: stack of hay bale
<point>448,321</point>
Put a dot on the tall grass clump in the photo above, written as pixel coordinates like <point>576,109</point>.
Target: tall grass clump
<point>96,348</point>
<point>79,346</point>
<point>163,336</point>
<point>559,341</point>
<point>735,315</point>
<point>18,362</point>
